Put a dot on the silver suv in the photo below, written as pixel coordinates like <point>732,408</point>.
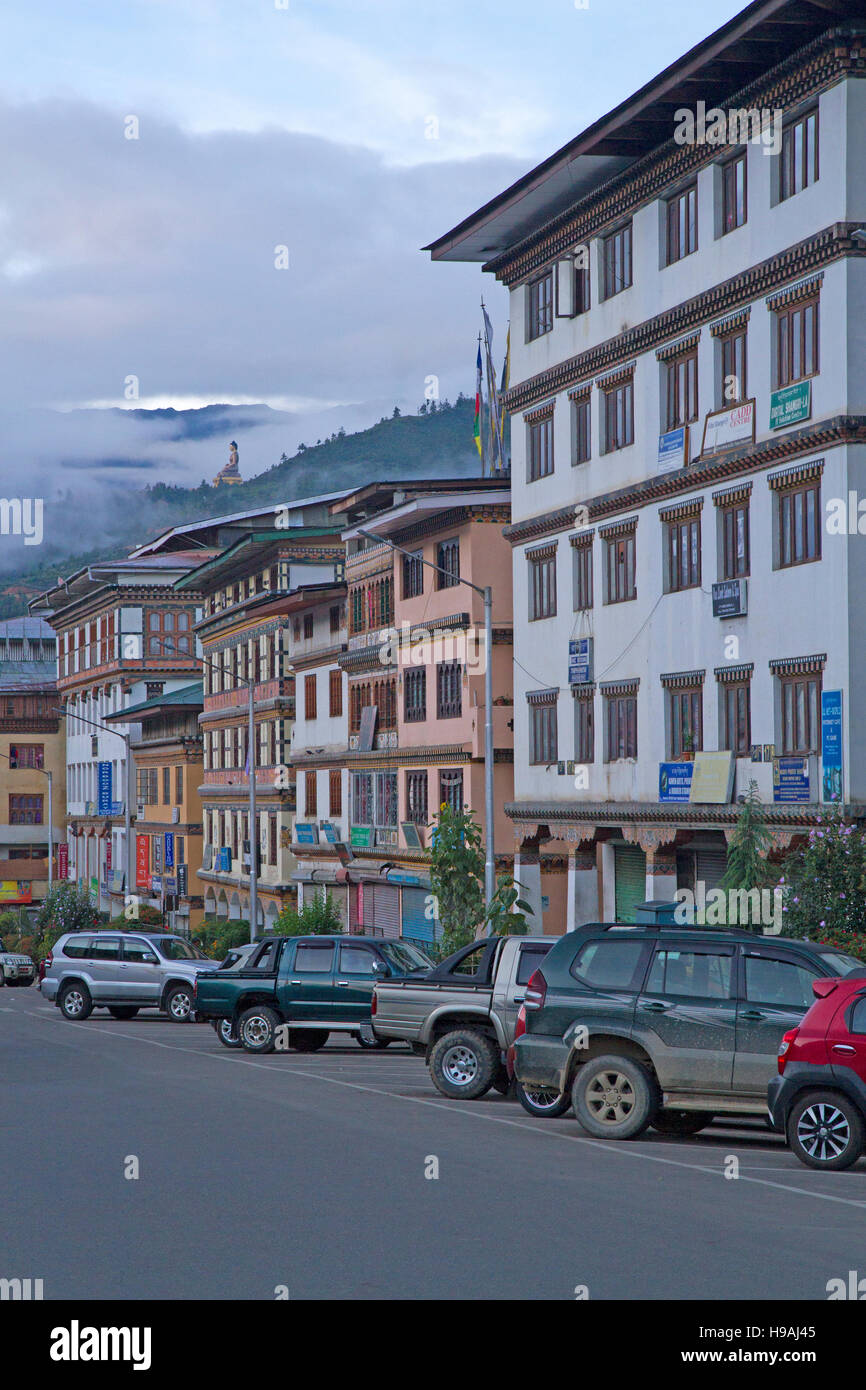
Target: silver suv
<point>122,972</point>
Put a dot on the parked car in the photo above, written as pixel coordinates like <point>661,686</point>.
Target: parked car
<point>668,1027</point>
<point>16,969</point>
<point>818,1098</point>
<point>123,972</point>
<point>316,985</point>
<point>537,1100</point>
<point>461,1016</point>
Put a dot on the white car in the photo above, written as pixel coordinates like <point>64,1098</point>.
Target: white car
<point>16,969</point>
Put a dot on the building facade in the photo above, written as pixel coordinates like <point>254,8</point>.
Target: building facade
<point>688,411</point>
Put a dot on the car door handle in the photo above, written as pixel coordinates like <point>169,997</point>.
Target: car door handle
<point>841,1047</point>
<point>657,1007</point>
<point>343,984</point>
<point>294,982</point>
<point>753,1015</point>
<point>517,998</point>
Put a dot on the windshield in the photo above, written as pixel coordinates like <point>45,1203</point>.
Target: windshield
<point>842,963</point>
<point>175,949</point>
<point>403,956</point>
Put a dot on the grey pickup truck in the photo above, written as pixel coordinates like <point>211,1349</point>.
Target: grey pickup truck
<point>461,1015</point>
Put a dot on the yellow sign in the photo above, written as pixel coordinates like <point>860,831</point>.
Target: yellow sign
<point>713,776</point>
<point>15,891</point>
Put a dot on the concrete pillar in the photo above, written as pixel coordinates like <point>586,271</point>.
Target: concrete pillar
<point>608,877</point>
<point>661,875</point>
<point>582,889</point>
<point>527,872</point>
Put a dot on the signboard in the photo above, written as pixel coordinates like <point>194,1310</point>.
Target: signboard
<point>14,890</point>
<point>411,835</point>
<point>734,425</point>
<point>182,880</point>
<point>831,745</point>
<point>580,661</point>
<point>170,883</point>
<point>713,778</point>
<point>306,832</point>
<point>224,860</point>
<point>156,884</point>
<point>730,598</point>
<point>367,733</point>
<point>330,831</point>
<point>790,405</point>
<point>361,836</point>
<point>675,781</point>
<point>142,861</point>
<point>791,779</point>
<point>63,861</point>
<point>103,789</point>
<point>108,855</point>
<point>168,849</point>
<point>672,449</point>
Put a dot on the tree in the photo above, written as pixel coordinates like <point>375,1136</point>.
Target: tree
<point>506,911</point>
<point>457,876</point>
<point>747,866</point>
<point>321,917</point>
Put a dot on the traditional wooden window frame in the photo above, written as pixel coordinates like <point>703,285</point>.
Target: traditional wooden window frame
<point>675,232</point>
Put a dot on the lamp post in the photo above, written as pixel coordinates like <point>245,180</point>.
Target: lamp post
<point>487,595</point>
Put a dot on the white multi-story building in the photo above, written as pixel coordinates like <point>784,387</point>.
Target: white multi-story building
<point>688,415</point>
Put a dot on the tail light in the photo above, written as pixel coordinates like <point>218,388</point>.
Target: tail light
<point>373,1004</point>
<point>536,991</point>
<point>520,1027</point>
<point>195,985</point>
<point>784,1045</point>
<point>49,960</point>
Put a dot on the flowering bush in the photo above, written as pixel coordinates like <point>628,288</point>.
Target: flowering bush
<point>824,883</point>
<point>66,908</point>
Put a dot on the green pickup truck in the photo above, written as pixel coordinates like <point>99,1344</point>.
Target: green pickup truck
<point>294,991</point>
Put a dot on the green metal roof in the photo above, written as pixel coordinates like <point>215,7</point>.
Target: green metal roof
<point>187,695</point>
<point>192,580</point>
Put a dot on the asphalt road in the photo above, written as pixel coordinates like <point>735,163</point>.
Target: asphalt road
<point>309,1172</point>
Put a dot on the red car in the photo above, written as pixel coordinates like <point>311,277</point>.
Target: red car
<point>818,1100</point>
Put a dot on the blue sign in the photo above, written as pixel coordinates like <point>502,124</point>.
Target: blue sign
<point>103,783</point>
<point>224,860</point>
<point>672,450</point>
<point>155,883</point>
<point>331,832</point>
<point>675,781</point>
<point>791,779</point>
<point>168,858</point>
<point>580,661</point>
<point>306,833</point>
<point>831,745</point>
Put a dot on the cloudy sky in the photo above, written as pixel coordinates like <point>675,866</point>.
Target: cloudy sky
<point>267,123</point>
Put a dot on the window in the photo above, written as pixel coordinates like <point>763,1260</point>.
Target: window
<point>732,363</point>
<point>308,625</point>
<point>272,839</point>
<point>138,950</point>
<point>801,721</point>
<point>620,727</point>
<point>584,729</point>
<point>335,693</point>
<point>26,755</point>
<point>386,799</point>
<point>528,960</point>
<point>581,446</point>
<point>694,974</point>
<point>105,948</point>
<point>169,633</point>
<point>686,723</point>
<point>800,525</point>
<point>25,810</point>
<point>618,417</point>
<point>415,696</point>
<point>356,960</point>
<point>798,162</point>
<point>734,205</point>
<point>682,224</point>
<point>796,343</point>
<point>770,980</point>
<point>542,586</point>
<point>166,786</point>
<point>451,789</point>
<point>540,448</point>
<point>684,553</point>
<point>609,964</point>
<point>309,697</point>
<point>334,619</point>
<point>682,390</point>
<point>540,305</point>
<point>543,740</point>
<point>335,792</point>
<point>416,797</point>
<point>310,796</point>
<point>620,558</point>
<point>582,562</point>
<point>314,959</point>
<point>736,735</point>
<point>581,285</point>
<point>735,541</point>
<point>413,574</point>
<point>449,690</point>
<point>178,784</point>
<point>448,563</point>
<point>616,261</point>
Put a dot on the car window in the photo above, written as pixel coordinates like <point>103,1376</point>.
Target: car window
<point>174,949</point>
<point>104,948</point>
<point>266,958</point>
<point>608,964</point>
<point>529,959</point>
<point>137,950</point>
<point>356,960</point>
<point>700,974</point>
<point>318,959</point>
<point>840,964</point>
<point>77,946</point>
<point>471,962</point>
<point>858,1016</point>
<point>404,956</point>
<point>781,982</point>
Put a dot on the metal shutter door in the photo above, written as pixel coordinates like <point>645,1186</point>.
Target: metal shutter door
<point>385,917</point>
<point>710,865</point>
<point>417,926</point>
<point>629,880</point>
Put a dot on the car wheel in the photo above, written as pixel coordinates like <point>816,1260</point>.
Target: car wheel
<point>614,1097</point>
<point>27,983</point>
<point>681,1122</point>
<point>826,1131</point>
<point>463,1064</point>
<point>307,1039</point>
<point>226,1031</point>
<point>178,1003</point>
<point>502,1082</point>
<point>542,1100</point>
<point>257,1028</point>
<point>75,1002</point>
<point>123,1010</point>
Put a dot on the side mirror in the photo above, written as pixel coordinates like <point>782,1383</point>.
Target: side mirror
<point>381,969</point>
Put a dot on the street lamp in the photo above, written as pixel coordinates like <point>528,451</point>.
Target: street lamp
<point>45,773</point>
<point>127,800</point>
<point>487,594</point>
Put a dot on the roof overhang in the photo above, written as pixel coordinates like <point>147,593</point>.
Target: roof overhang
<point>420,508</point>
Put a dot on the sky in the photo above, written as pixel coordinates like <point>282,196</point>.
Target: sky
<point>148,271</point>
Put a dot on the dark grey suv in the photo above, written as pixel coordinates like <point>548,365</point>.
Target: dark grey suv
<point>122,972</point>
<point>666,1027</point>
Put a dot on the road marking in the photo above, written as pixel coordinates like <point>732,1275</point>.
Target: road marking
<point>609,1146</point>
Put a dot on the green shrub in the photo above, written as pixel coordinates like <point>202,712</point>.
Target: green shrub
<point>321,917</point>
<point>216,936</point>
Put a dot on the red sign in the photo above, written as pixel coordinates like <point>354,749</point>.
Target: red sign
<point>142,861</point>
<point>107,855</point>
<point>63,861</point>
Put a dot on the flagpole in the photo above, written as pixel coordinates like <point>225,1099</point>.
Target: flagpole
<point>482,444</point>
